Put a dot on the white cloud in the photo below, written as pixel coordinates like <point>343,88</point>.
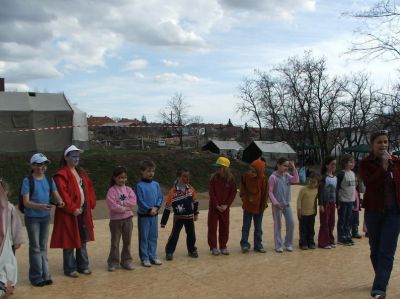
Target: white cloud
<point>17,87</point>
<point>170,63</point>
<point>136,64</point>
<point>175,78</point>
<point>139,75</point>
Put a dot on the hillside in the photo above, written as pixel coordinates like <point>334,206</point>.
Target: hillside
<point>100,164</point>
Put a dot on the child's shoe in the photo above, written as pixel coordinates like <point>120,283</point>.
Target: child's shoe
<point>215,251</point>
<point>245,249</point>
<point>356,236</point>
<point>225,251</point>
<point>289,248</point>
<point>169,256</point>
<point>156,262</point>
<point>128,266</point>
<point>327,247</point>
<point>333,245</point>
<point>193,254</point>
<point>279,250</point>
<point>146,264</point>
<point>112,268</point>
<point>304,247</point>
<point>312,246</point>
<point>260,250</point>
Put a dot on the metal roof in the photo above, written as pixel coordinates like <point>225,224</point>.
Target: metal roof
<point>274,147</point>
<point>227,145</point>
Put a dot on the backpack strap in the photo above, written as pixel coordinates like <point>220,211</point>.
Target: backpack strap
<point>31,186</point>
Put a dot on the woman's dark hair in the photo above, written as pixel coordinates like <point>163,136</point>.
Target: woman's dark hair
<point>346,158</point>
<point>327,160</point>
<point>280,161</point>
<point>117,172</point>
<point>376,134</point>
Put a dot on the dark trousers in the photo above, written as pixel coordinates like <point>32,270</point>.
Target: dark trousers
<point>345,212</point>
<point>216,218</point>
<point>174,237</point>
<point>383,230</point>
<point>355,222</point>
<point>327,222</point>
<point>307,230</point>
<point>257,219</point>
<point>120,228</point>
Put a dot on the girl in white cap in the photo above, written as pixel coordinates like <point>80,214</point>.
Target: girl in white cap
<point>222,192</point>
<point>36,192</point>
<point>73,224</point>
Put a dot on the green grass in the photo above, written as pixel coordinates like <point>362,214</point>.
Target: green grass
<point>100,164</point>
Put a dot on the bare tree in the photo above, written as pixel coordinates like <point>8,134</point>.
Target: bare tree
<point>176,115</point>
<point>379,34</point>
<point>250,102</point>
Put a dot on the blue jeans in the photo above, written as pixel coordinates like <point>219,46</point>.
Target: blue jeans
<point>38,232</point>
<point>383,230</point>
<point>344,225</point>
<point>148,235</point>
<point>72,263</point>
<point>257,218</point>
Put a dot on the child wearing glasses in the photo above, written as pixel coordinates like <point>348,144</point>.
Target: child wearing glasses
<point>36,192</point>
<point>346,195</point>
<point>280,195</point>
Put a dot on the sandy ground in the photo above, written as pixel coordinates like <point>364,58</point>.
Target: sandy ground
<point>344,272</point>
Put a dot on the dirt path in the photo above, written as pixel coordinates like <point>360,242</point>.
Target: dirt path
<point>344,272</point>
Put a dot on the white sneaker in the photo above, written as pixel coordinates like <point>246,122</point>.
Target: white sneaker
<point>279,250</point>
<point>289,248</point>
<point>146,264</point>
<point>156,262</point>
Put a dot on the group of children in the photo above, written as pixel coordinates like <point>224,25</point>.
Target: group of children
<point>326,191</point>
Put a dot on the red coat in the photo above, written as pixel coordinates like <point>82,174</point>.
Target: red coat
<point>66,231</point>
<point>221,192</point>
<point>373,176</point>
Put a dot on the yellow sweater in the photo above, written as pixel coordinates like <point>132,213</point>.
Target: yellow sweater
<point>306,202</point>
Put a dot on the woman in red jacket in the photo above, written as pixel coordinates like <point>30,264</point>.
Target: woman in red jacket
<point>222,192</point>
<point>380,173</point>
<point>73,224</point>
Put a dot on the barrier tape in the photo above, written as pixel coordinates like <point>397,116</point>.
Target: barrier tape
<point>83,126</point>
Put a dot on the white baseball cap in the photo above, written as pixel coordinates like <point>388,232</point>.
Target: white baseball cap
<point>71,148</point>
<point>39,158</point>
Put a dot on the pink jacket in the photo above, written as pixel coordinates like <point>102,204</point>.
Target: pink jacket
<point>120,201</point>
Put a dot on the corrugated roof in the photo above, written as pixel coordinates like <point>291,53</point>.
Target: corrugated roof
<point>33,101</point>
<point>274,147</point>
<point>227,145</point>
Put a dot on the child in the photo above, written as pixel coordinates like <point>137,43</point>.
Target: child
<point>307,210</point>
<point>120,201</point>
<point>36,194</point>
<point>182,199</point>
<point>10,232</point>
<point>149,199</point>
<point>280,195</point>
<point>346,195</point>
<point>222,192</point>
<point>254,194</point>
<point>326,203</point>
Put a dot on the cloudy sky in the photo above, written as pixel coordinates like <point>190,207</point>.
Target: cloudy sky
<point>126,58</point>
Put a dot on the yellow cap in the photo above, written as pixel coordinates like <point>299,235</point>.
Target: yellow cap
<point>222,161</point>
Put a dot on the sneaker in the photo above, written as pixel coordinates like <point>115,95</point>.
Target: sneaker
<point>225,251</point>
<point>356,236</point>
<point>146,264</point>
<point>260,250</point>
<point>304,247</point>
<point>333,245</point>
<point>193,254</point>
<point>289,248</point>
<point>169,256</point>
<point>112,268</point>
<point>279,250</point>
<point>312,246</point>
<point>344,243</point>
<point>39,284</point>
<point>327,247</point>
<point>86,272</point>
<point>215,251</point>
<point>48,282</point>
<point>379,297</point>
<point>128,266</point>
<point>73,274</point>
<point>156,262</point>
<point>245,249</point>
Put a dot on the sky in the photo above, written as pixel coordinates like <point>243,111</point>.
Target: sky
<point>126,58</point>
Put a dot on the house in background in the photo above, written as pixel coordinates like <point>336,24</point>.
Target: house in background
<point>228,148</point>
<point>271,151</point>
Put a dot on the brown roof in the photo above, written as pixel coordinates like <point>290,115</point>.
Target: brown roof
<point>99,120</point>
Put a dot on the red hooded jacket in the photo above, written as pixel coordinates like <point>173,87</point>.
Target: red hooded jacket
<point>66,231</point>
